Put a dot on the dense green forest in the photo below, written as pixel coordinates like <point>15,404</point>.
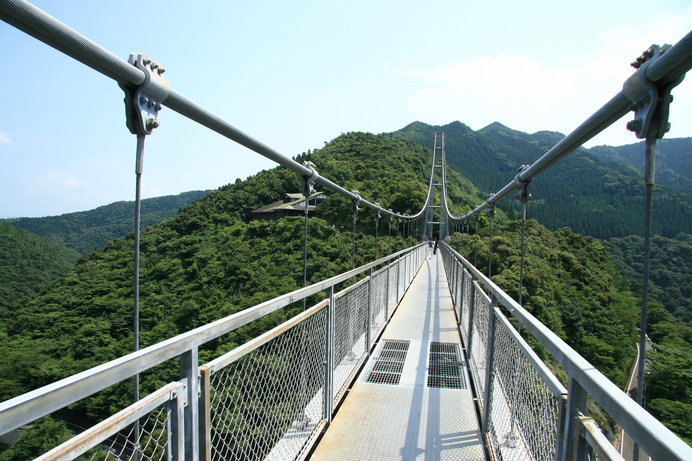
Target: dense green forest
<point>28,264</point>
<point>671,269</point>
<point>673,160</point>
<point>211,260</point>
<point>572,285</point>
<point>592,196</point>
<point>87,231</point>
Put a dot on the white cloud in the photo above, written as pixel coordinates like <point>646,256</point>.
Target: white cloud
<point>58,180</point>
<point>528,95</point>
<point>5,138</point>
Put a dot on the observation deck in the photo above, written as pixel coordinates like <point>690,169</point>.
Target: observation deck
<point>412,399</point>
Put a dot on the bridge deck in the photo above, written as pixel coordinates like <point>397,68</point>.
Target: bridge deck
<point>386,416</point>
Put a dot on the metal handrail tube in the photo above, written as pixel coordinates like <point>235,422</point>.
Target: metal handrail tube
<point>656,439</point>
<point>40,402</point>
<point>40,25</point>
<point>81,443</point>
<point>671,66</point>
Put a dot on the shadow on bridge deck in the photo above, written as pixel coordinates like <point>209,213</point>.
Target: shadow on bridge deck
<point>412,400</point>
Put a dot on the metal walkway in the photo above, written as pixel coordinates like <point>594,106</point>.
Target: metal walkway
<point>412,400</point>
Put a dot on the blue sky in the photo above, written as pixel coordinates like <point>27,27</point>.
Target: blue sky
<point>296,74</point>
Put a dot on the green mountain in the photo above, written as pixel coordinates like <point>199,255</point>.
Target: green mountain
<point>211,260</point>
<point>673,161</point>
<point>87,231</point>
<point>592,196</point>
<point>28,264</point>
<point>671,269</point>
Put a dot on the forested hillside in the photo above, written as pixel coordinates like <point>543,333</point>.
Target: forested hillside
<point>673,161</point>
<point>591,196</point>
<point>573,286</point>
<point>86,231</point>
<point>211,260</point>
<point>28,264</point>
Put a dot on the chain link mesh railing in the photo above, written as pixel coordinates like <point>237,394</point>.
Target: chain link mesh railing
<point>524,413</point>
<point>151,445</point>
<point>393,271</point>
<point>350,324</point>
<point>479,342</point>
<point>268,403</point>
<point>378,295</point>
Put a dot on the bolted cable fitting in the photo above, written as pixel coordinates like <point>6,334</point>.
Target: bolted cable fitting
<point>650,100</point>
<point>142,104</point>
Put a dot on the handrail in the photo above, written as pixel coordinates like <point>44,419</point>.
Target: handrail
<point>40,25</point>
<point>40,402</point>
<point>656,439</point>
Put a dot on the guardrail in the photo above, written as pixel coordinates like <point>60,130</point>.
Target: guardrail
<point>526,412</point>
<point>267,398</point>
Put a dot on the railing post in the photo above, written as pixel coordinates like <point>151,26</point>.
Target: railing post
<point>175,426</point>
<point>205,413</point>
<point>462,295</point>
<point>398,274</point>
<point>368,321</point>
<point>562,423</point>
<point>328,359</point>
<point>489,364</point>
<point>189,369</point>
<point>472,309</point>
<point>386,294</point>
<point>576,402</point>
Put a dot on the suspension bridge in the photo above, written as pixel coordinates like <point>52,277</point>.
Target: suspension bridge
<point>418,359</point>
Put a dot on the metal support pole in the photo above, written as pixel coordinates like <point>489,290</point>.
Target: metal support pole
<point>368,320</point>
<point>649,180</point>
<point>524,200</point>
<point>490,363</point>
<point>386,294</point>
<point>475,246</point>
<point>189,370</point>
<point>139,165</point>
<point>205,414</point>
<point>462,294</point>
<point>328,395</point>
<point>472,312</point>
<point>491,215</point>
<point>576,402</point>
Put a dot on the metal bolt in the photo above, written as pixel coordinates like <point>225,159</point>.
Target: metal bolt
<point>152,103</point>
<point>158,107</point>
<point>146,61</point>
<point>161,70</point>
<point>143,100</point>
<point>634,125</point>
<point>152,123</point>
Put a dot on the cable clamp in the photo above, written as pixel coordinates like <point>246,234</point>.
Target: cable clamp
<point>650,101</point>
<point>310,181</point>
<point>142,104</point>
<point>356,201</point>
<point>379,209</point>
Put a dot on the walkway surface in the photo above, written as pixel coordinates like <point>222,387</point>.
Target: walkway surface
<point>412,400</point>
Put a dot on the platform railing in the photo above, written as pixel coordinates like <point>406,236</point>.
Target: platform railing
<point>526,413</point>
<point>268,398</point>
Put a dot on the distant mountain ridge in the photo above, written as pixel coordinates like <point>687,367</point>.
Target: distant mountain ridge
<point>673,160</point>
<point>591,195</point>
<point>87,231</point>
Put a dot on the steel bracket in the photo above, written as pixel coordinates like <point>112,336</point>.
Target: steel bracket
<point>650,100</point>
<point>143,103</point>
<point>310,181</point>
<point>356,201</point>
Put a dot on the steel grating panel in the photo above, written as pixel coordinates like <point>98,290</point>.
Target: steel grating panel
<point>445,366</point>
<point>410,420</point>
<point>388,365</point>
